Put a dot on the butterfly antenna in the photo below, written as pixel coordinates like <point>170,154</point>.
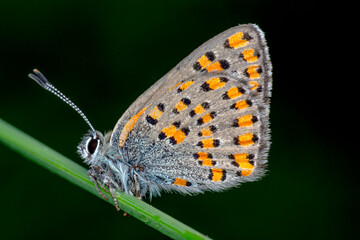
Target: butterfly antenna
<point>43,82</point>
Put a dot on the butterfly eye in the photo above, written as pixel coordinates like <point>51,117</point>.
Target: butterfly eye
<point>92,145</point>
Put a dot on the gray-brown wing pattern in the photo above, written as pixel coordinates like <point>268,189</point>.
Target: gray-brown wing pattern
<point>204,125</point>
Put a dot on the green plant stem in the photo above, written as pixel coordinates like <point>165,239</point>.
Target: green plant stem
<point>76,174</point>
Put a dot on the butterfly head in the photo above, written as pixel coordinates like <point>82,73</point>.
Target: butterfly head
<point>90,146</point>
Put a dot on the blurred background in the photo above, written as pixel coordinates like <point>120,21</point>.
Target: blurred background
<point>91,51</point>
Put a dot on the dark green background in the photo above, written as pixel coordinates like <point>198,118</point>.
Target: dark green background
<point>104,54</point>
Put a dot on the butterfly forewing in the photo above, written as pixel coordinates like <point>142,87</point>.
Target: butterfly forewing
<point>204,125</point>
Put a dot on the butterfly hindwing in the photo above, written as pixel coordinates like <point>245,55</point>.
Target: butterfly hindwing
<point>204,125</point>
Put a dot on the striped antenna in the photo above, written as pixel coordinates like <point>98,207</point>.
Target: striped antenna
<point>43,82</point>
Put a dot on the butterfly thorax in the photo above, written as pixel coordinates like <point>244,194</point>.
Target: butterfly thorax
<point>109,167</point>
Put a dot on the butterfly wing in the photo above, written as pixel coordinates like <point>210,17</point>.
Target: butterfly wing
<point>204,125</point>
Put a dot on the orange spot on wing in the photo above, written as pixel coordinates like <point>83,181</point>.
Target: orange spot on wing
<point>215,83</point>
<point>236,40</point>
<point>206,118</point>
<point>207,162</point>
<point>199,109</point>
<point>241,104</point>
<point>252,71</point>
<point>242,159</point>
<point>233,93</point>
<point>203,156</point>
<point>217,174</point>
<point>216,66</point>
<point>246,168</point>
<point>208,143</point>
<point>180,106</point>
<point>155,113</point>
<point>169,131</point>
<point>249,55</point>
<point>179,136</point>
<point>255,85</point>
<point>246,139</point>
<point>129,126</point>
<point>203,61</point>
<point>180,182</point>
<point>206,131</point>
<point>245,121</point>
<point>186,85</point>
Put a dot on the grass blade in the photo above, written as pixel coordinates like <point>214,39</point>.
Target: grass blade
<point>76,174</point>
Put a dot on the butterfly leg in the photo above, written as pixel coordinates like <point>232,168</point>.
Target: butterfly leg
<point>112,192</point>
<point>137,186</point>
<point>96,181</point>
<point>103,179</point>
<point>103,186</point>
<point>96,175</point>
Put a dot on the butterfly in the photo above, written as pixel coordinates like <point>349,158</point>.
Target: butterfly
<point>204,126</point>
